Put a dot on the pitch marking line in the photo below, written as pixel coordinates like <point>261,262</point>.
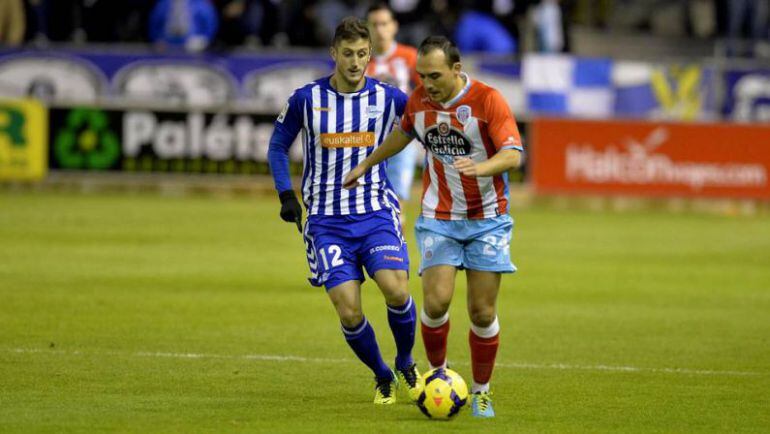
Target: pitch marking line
<point>300,359</point>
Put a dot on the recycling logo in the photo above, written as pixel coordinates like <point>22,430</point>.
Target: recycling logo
<point>12,126</point>
<point>86,142</point>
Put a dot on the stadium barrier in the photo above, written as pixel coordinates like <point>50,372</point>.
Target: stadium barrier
<point>144,112</point>
<point>146,140</point>
<point>140,139</point>
<point>23,140</point>
<point>639,158</point>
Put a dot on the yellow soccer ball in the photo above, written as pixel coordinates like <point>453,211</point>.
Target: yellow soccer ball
<point>444,394</point>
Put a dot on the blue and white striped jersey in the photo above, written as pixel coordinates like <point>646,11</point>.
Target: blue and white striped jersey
<point>338,131</point>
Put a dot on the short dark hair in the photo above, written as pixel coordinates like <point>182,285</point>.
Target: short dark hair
<point>379,6</point>
<point>442,43</point>
<point>350,29</point>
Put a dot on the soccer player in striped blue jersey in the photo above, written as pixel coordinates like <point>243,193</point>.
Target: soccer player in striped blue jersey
<point>342,119</point>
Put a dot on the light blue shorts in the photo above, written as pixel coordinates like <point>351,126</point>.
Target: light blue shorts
<point>482,245</point>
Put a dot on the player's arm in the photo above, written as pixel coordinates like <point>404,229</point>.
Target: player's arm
<point>396,141</point>
<point>504,135</point>
<point>502,161</point>
<point>393,144</point>
<point>287,126</point>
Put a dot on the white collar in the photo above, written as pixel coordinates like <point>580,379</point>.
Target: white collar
<point>462,93</point>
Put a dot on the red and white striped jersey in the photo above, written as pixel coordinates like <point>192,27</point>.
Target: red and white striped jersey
<point>477,123</point>
<point>396,67</point>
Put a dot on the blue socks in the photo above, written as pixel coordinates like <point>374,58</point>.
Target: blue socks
<point>363,342</point>
<point>361,338</point>
<point>402,320</point>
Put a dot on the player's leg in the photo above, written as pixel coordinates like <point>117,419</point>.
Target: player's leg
<point>402,312</point>
<point>333,263</point>
<point>483,287</point>
<point>384,255</point>
<point>346,298</point>
<point>359,335</point>
<point>438,283</point>
<point>485,258</point>
<point>440,255</point>
<point>402,318</point>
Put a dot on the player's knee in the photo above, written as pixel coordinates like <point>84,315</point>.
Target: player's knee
<point>435,308</point>
<point>397,298</point>
<point>351,317</point>
<point>395,289</point>
<point>398,293</point>
<point>436,302</point>
<point>482,316</point>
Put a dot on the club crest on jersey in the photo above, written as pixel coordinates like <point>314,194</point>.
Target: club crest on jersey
<point>463,114</point>
<point>372,111</point>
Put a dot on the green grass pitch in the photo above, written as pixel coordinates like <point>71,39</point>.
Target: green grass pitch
<point>139,313</point>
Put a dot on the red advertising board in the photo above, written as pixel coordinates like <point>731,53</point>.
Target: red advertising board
<point>650,159</point>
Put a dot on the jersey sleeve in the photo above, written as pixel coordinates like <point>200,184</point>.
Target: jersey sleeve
<point>501,124</point>
<point>289,121</point>
<point>286,127</point>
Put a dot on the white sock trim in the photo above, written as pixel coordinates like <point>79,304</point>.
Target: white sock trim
<point>433,322</point>
<point>406,308</point>
<point>486,332</point>
<point>358,329</point>
<point>479,387</point>
<point>443,365</point>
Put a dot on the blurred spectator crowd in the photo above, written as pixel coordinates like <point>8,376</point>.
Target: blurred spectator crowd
<point>495,26</point>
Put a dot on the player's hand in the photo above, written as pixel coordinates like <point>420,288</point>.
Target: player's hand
<point>291,210</point>
<point>466,166</point>
<point>351,180</point>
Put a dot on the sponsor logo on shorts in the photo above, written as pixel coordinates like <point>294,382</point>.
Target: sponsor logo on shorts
<point>393,258</point>
<point>384,249</point>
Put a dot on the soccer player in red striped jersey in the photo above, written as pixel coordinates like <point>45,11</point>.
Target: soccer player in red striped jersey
<point>472,141</point>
